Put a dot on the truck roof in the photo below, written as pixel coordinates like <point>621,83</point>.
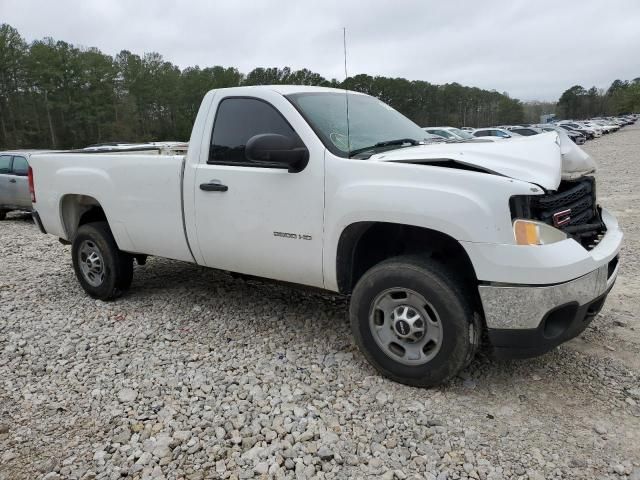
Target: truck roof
<point>290,89</point>
<point>26,152</point>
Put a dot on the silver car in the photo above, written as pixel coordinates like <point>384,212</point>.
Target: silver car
<point>14,183</point>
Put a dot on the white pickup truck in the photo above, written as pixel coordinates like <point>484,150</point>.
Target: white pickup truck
<point>438,245</point>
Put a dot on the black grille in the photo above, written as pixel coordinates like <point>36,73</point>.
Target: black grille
<point>567,193</point>
<point>584,224</point>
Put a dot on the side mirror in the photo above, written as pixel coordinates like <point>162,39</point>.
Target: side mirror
<point>279,150</point>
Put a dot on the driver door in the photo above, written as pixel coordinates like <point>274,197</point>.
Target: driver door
<point>261,220</point>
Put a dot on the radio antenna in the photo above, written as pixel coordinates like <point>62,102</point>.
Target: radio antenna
<point>346,92</point>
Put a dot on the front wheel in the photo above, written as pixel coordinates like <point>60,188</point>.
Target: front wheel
<point>103,271</point>
<point>3,214</point>
<point>412,322</point>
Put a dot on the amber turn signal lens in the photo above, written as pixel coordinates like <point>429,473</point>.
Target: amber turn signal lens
<point>527,233</point>
<point>533,232</point>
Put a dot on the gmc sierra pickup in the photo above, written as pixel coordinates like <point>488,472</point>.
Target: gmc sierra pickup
<point>438,245</point>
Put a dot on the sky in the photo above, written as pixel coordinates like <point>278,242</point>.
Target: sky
<point>532,50</point>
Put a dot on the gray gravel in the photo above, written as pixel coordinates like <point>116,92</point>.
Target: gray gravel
<point>195,374</point>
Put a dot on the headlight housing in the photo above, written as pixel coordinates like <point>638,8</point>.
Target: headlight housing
<point>532,232</point>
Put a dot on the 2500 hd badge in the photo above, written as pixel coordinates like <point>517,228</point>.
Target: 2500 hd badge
<point>295,236</point>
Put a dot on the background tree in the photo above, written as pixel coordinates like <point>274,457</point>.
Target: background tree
<point>572,101</point>
<point>534,110</point>
<point>55,95</point>
<point>622,97</point>
<point>13,50</point>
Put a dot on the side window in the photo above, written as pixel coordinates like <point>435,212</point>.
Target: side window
<point>5,163</point>
<point>239,119</point>
<point>20,166</point>
<point>501,134</point>
<point>481,133</point>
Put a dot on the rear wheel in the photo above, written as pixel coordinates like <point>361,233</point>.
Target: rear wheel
<point>3,214</point>
<point>101,268</point>
<point>412,322</point>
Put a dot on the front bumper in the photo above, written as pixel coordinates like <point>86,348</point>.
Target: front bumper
<point>552,292</point>
<point>542,265</point>
<point>525,321</point>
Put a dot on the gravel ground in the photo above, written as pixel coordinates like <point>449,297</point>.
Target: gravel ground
<point>195,374</point>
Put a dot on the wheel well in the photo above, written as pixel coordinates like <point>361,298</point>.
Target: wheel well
<point>76,210</point>
<point>365,244</point>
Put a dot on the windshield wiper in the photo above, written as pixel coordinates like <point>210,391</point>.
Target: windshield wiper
<point>387,143</point>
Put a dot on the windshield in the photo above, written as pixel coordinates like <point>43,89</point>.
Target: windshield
<point>370,121</point>
<point>462,133</point>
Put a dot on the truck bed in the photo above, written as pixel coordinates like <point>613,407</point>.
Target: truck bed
<point>141,195</point>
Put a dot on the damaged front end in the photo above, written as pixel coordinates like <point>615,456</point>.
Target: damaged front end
<point>572,208</point>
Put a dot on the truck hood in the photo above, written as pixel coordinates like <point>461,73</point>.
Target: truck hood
<point>542,159</point>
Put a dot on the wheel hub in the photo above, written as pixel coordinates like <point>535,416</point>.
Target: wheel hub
<point>91,263</point>
<point>407,323</point>
<point>405,326</point>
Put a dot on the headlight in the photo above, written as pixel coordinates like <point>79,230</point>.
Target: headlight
<point>532,232</point>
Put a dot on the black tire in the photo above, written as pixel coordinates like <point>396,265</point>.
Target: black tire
<point>117,265</point>
<point>442,289</point>
<point>3,214</point>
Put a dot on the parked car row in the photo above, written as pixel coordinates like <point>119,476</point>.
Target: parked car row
<point>449,133</point>
<point>596,127</point>
<point>578,131</point>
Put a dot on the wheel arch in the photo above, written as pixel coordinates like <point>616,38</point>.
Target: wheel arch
<point>364,244</point>
<point>78,209</point>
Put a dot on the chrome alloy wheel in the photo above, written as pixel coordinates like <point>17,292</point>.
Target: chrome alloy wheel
<point>91,263</point>
<point>405,326</point>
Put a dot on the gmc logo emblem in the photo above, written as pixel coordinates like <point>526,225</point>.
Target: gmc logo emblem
<point>562,217</point>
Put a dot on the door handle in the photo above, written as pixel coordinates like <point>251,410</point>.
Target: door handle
<point>13,180</point>
<point>213,187</point>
